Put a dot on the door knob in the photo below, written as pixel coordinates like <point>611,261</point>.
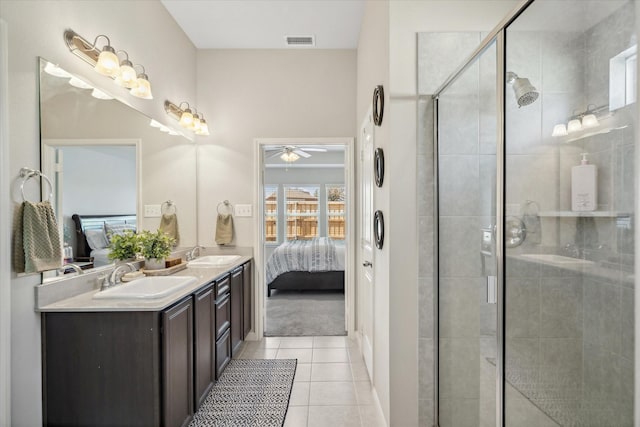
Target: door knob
<point>367,264</point>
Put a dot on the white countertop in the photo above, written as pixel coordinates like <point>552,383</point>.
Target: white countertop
<point>84,302</point>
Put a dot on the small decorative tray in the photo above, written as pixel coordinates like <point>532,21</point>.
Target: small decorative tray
<point>165,271</point>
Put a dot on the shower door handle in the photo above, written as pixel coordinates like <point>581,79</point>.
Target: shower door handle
<point>492,289</point>
<point>367,264</point>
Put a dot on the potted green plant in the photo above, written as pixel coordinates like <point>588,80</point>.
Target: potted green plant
<point>124,246</point>
<point>155,247</point>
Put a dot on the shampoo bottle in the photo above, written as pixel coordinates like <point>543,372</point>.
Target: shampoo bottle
<point>584,179</point>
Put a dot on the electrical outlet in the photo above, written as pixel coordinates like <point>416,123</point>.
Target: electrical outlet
<point>243,210</point>
<point>152,211</point>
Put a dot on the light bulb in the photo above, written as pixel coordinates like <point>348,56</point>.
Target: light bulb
<point>186,119</point>
<point>559,130</point>
<point>127,76</point>
<point>97,93</point>
<point>204,128</point>
<point>574,126</point>
<point>590,121</point>
<point>80,84</point>
<point>143,88</point>
<point>108,63</point>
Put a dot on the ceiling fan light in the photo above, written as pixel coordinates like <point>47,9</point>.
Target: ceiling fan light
<point>289,156</point>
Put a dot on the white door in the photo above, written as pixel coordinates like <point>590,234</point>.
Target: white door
<point>365,270</point>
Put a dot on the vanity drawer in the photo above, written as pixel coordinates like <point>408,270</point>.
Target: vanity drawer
<point>223,353</point>
<point>223,286</point>
<point>223,315</point>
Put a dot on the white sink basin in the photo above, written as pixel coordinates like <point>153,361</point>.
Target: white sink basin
<point>556,259</point>
<point>213,260</point>
<point>149,287</point>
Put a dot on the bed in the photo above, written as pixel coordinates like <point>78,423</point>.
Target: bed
<point>92,235</point>
<point>316,264</point>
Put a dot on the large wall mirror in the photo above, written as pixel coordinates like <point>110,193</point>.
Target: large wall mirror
<point>107,160</point>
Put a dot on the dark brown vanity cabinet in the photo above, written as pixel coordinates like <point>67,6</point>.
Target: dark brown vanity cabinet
<point>237,330</point>
<point>118,368</point>
<point>204,373</point>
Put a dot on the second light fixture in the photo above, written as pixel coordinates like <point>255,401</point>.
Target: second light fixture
<point>187,117</point>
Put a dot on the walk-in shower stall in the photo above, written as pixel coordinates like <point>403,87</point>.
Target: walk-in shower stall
<point>535,160</point>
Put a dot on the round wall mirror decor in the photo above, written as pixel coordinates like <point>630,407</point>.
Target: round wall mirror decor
<point>379,166</point>
<point>378,105</point>
<point>378,229</point>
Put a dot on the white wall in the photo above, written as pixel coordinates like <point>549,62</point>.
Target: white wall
<point>248,94</point>
<point>35,29</point>
<point>373,70</point>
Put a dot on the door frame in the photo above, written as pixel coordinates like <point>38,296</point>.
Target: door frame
<point>258,197</point>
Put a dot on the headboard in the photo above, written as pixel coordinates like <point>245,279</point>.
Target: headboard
<point>95,222</point>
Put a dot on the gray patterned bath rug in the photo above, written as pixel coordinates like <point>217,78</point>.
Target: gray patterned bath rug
<point>249,393</point>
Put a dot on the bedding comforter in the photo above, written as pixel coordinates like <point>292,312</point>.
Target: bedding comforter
<point>316,255</point>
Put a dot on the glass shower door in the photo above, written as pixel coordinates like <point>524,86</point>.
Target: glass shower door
<point>569,286</point>
<point>466,163</point>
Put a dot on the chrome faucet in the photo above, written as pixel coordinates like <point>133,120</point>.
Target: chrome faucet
<point>191,255</point>
<point>114,278</point>
<point>75,268</point>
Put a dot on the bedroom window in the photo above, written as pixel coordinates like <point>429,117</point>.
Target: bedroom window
<point>335,211</point>
<point>271,213</point>
<point>301,212</point>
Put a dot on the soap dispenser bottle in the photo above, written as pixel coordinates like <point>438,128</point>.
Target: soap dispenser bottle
<point>584,183</point>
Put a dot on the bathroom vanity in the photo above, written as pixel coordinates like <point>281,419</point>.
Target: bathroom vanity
<point>128,362</point>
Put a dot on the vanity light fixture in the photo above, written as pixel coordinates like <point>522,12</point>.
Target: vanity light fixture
<point>188,118</point>
<point>106,62</point>
<point>590,118</point>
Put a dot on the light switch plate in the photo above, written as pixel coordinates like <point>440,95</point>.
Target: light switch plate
<point>152,211</point>
<point>243,210</point>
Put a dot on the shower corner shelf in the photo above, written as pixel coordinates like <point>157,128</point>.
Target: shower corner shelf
<point>572,214</point>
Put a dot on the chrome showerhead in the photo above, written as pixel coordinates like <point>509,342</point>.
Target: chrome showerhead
<point>524,91</point>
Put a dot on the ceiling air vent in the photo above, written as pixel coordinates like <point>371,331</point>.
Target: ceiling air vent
<point>300,40</point>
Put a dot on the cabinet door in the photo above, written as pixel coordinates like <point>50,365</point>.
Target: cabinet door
<point>204,374</point>
<point>236,310</point>
<point>247,286</point>
<point>177,346</point>
<point>223,353</point>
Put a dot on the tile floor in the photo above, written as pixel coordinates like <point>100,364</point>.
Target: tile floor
<point>331,387</point>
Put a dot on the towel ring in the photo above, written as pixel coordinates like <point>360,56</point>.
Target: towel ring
<point>27,174</point>
<point>166,207</point>
<point>228,206</point>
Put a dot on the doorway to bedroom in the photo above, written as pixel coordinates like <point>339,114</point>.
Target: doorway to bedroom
<point>305,198</point>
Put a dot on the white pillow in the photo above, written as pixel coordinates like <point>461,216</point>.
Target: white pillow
<point>96,239</point>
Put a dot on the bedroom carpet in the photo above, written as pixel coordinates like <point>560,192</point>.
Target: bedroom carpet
<point>304,313</point>
<point>249,393</point>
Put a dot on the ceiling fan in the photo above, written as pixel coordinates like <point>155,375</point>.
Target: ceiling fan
<point>291,153</point>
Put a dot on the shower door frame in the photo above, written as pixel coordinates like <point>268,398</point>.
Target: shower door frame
<point>497,35</point>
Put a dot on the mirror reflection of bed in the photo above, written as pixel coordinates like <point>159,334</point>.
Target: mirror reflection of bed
<point>304,240</point>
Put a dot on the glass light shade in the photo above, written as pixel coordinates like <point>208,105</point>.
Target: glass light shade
<point>80,84</point>
<point>195,126</point>
<point>186,119</point>
<point>590,121</point>
<point>97,93</point>
<point>127,76</point>
<point>143,88</point>
<point>108,63</point>
<point>560,130</point>
<point>56,71</point>
<point>289,156</point>
<point>204,128</point>
<point>574,126</point>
